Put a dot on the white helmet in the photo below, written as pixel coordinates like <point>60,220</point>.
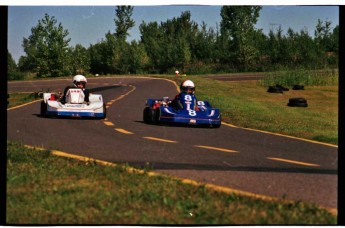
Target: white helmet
<point>187,84</point>
<point>79,79</point>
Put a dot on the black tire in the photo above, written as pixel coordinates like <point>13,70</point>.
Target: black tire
<point>104,111</point>
<point>298,105</point>
<point>298,87</point>
<point>156,115</point>
<point>43,111</point>
<point>216,125</point>
<point>274,89</point>
<point>297,102</point>
<point>282,87</point>
<point>147,115</point>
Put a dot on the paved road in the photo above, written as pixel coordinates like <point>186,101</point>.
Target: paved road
<point>242,159</point>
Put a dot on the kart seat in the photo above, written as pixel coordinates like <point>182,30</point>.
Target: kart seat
<point>75,96</point>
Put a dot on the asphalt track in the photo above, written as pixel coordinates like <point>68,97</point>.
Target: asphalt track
<point>244,159</point>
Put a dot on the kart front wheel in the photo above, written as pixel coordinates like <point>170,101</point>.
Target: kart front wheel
<point>216,125</point>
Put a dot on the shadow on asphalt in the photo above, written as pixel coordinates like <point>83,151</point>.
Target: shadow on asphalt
<point>176,166</point>
<point>178,125</point>
<point>103,88</point>
<point>67,117</point>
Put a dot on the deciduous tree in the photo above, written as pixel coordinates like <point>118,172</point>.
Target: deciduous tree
<point>237,27</point>
<point>123,21</point>
<point>47,48</point>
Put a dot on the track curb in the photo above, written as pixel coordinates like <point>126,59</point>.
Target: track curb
<point>213,187</point>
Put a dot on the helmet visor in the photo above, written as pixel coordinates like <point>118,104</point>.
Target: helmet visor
<point>188,89</point>
<point>191,88</point>
<point>80,83</point>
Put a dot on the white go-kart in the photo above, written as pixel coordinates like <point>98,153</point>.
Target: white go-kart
<point>74,105</point>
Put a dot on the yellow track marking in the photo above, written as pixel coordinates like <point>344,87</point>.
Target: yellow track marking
<point>109,103</point>
<point>169,80</point>
<point>213,187</point>
<point>121,96</point>
<point>286,136</point>
<point>216,148</point>
<point>108,123</point>
<point>293,162</point>
<point>23,105</point>
<point>158,139</point>
<point>67,155</point>
<point>124,131</point>
<point>229,125</point>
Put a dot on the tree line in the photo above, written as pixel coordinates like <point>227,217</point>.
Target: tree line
<point>177,44</point>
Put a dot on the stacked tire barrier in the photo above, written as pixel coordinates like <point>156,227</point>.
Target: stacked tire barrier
<point>293,102</point>
<point>277,89</point>
<point>297,102</point>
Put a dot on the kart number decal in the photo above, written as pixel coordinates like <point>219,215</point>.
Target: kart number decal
<point>188,98</point>
<point>188,103</point>
<point>192,112</point>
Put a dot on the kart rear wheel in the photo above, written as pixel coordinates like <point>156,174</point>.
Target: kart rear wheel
<point>104,111</point>
<point>216,125</point>
<point>156,115</point>
<point>147,115</point>
<point>43,109</point>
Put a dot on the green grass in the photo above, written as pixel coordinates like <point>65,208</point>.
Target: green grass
<point>301,77</point>
<point>248,104</point>
<point>16,99</point>
<point>46,189</point>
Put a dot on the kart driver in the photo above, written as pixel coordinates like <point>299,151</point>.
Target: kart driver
<point>79,81</point>
<point>186,99</point>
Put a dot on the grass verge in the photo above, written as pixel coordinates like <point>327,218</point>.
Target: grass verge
<point>16,99</point>
<point>46,189</point>
<point>248,104</point>
<point>302,77</point>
